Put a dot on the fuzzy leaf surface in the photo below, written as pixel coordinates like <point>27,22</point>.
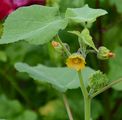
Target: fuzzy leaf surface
<point>35,24</point>
<point>84,14</point>
<point>61,78</point>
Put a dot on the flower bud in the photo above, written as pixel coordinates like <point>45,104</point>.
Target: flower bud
<point>111,55</point>
<point>57,46</point>
<point>104,53</point>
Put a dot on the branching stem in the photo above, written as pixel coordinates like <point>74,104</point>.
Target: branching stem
<point>106,87</point>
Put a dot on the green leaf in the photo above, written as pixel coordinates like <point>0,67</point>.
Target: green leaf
<point>1,28</point>
<point>86,37</point>
<point>3,56</point>
<point>84,14</point>
<point>116,68</point>
<point>75,33</point>
<point>13,110</point>
<point>64,4</point>
<point>118,4</point>
<point>97,109</point>
<point>35,24</point>
<point>113,35</point>
<point>27,115</point>
<point>52,108</point>
<point>8,108</point>
<point>61,78</point>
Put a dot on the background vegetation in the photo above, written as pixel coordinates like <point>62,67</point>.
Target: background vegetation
<point>22,98</point>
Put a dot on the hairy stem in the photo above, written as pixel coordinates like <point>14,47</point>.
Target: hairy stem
<point>87,108</point>
<point>106,87</point>
<point>87,100</point>
<point>83,88</point>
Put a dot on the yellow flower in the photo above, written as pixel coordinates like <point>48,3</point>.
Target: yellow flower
<point>75,61</point>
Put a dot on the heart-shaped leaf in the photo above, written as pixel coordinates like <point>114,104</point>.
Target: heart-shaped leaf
<point>84,14</point>
<point>61,78</point>
<point>36,24</point>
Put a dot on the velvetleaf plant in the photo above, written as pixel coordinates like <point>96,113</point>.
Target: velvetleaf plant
<point>41,24</point>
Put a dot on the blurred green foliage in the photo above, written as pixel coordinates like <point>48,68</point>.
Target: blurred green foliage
<point>21,98</point>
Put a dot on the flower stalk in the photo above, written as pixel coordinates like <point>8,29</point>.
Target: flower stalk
<point>87,99</point>
<point>63,46</point>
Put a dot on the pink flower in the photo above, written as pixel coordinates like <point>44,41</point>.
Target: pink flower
<point>19,3</point>
<point>5,9</point>
<point>7,6</point>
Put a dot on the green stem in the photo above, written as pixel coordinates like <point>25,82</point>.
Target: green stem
<point>64,96</point>
<point>67,107</point>
<point>87,108</point>
<point>106,87</point>
<point>83,88</point>
<point>87,100</point>
<point>63,46</point>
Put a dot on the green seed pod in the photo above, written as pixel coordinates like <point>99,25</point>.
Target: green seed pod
<point>98,80</point>
<point>103,53</point>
